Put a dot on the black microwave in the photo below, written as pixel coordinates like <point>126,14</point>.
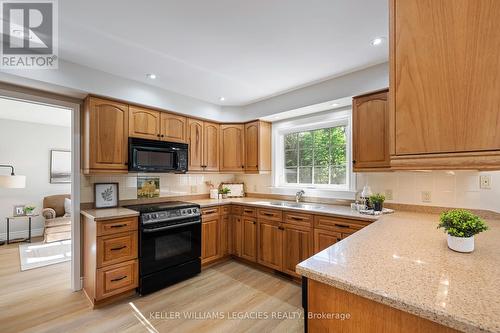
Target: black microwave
<point>157,156</point>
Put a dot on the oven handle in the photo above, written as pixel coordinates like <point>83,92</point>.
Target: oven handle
<point>171,227</point>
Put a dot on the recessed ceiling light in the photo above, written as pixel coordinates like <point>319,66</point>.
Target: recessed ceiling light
<point>377,41</point>
<point>151,76</point>
<point>335,104</point>
<point>222,99</point>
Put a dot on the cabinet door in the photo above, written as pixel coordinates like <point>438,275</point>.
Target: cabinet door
<point>173,127</point>
<point>108,135</point>
<point>252,146</point>
<point>210,146</point>
<point>297,246</point>
<point>371,131</point>
<point>270,244</point>
<point>224,235</point>
<point>444,71</point>
<point>210,240</point>
<point>324,239</point>
<point>236,234</point>
<point>144,123</point>
<point>232,148</point>
<point>249,239</point>
<point>195,138</point>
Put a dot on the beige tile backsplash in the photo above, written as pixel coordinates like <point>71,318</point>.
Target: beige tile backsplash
<point>170,184</point>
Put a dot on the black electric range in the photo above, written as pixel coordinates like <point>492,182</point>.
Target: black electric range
<point>169,243</point>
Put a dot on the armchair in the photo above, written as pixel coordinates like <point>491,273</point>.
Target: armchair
<point>57,222</point>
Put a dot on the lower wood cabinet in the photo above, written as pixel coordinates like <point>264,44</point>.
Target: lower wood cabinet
<point>236,229</point>
<point>270,241</point>
<point>324,239</point>
<point>224,241</point>
<point>110,252</point>
<point>210,240</point>
<point>249,239</point>
<point>297,246</point>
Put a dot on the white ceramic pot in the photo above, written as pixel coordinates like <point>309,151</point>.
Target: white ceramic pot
<point>461,244</point>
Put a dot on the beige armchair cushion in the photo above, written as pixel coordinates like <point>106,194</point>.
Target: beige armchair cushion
<point>48,213</point>
<point>56,202</point>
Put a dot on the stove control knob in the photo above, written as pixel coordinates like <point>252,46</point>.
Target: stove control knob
<point>189,211</point>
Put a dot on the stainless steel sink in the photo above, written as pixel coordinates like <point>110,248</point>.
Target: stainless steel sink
<point>291,204</point>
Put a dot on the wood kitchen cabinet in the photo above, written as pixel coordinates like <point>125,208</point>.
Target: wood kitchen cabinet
<point>444,70</point>
<point>325,238</point>
<point>225,229</point>
<point>232,147</point>
<point>297,246</point>
<point>236,229</point>
<point>370,118</point>
<point>257,147</point>
<point>173,127</point>
<point>144,123</point>
<point>270,244</point>
<point>203,139</point>
<point>104,136</point>
<point>249,238</point>
<point>155,125</point>
<point>210,235</point>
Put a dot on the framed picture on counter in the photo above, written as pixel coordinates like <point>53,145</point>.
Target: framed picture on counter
<point>106,195</point>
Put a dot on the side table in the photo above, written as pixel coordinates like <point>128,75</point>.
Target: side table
<point>17,240</point>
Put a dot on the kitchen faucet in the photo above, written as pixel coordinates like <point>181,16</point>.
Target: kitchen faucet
<point>298,195</point>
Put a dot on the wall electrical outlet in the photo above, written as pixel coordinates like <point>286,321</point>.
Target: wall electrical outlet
<point>485,182</point>
<point>388,195</point>
<point>426,196</point>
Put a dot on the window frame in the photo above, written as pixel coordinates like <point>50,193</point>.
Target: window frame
<point>328,119</point>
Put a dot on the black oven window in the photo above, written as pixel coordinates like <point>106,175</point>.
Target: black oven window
<point>153,158</point>
<point>169,246</point>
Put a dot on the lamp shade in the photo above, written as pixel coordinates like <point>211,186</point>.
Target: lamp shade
<point>13,181</point>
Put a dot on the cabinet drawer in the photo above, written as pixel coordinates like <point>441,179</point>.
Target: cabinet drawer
<point>116,226</point>
<point>210,212</point>
<point>249,211</point>
<point>236,210</point>
<point>305,220</point>
<point>115,279</point>
<point>338,224</point>
<point>270,214</point>
<point>225,210</point>
<point>117,248</point>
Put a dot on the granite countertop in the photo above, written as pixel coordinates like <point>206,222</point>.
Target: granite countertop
<point>308,207</point>
<point>108,213</point>
<point>403,261</point>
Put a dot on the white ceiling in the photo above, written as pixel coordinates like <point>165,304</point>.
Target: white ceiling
<point>34,113</point>
<point>243,50</point>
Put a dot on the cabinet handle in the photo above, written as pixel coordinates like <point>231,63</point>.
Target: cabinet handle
<point>281,228</point>
<point>242,166</point>
<point>158,135</point>
<point>341,225</point>
<point>339,239</point>
<point>118,226</point>
<point>253,222</point>
<point>118,248</point>
<point>268,214</point>
<point>126,163</point>
<point>297,218</point>
<point>353,161</point>
<point>119,279</point>
<point>210,211</point>
<point>162,135</point>
<point>248,211</point>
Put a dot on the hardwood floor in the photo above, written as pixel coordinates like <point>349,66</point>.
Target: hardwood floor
<point>40,300</point>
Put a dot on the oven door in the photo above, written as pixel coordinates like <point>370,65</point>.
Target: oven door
<point>166,246</point>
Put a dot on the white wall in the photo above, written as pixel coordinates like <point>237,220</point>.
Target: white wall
<point>27,146</point>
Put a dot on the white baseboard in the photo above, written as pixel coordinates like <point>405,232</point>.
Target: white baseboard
<point>22,233</point>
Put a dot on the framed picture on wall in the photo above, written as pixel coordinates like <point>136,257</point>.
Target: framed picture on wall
<point>60,166</point>
<point>106,195</point>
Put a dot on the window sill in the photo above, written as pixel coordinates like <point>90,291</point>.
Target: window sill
<point>315,192</point>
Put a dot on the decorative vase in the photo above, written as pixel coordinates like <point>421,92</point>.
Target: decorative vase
<point>461,244</point>
<point>224,196</point>
<point>378,206</point>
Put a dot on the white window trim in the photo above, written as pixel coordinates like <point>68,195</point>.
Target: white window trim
<point>325,119</point>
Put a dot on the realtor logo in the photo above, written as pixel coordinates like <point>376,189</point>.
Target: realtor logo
<point>29,34</point>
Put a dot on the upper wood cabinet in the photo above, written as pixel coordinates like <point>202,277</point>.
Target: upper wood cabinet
<point>257,146</point>
<point>104,136</point>
<point>210,147</point>
<point>203,140</point>
<point>444,86</point>
<point>370,117</point>
<point>172,127</point>
<point>144,123</point>
<point>232,147</point>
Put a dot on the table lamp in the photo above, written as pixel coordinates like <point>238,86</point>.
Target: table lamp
<point>11,181</point>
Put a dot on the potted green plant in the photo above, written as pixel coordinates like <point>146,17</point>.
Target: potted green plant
<point>28,210</point>
<point>224,191</point>
<point>461,226</point>
<point>377,201</point>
